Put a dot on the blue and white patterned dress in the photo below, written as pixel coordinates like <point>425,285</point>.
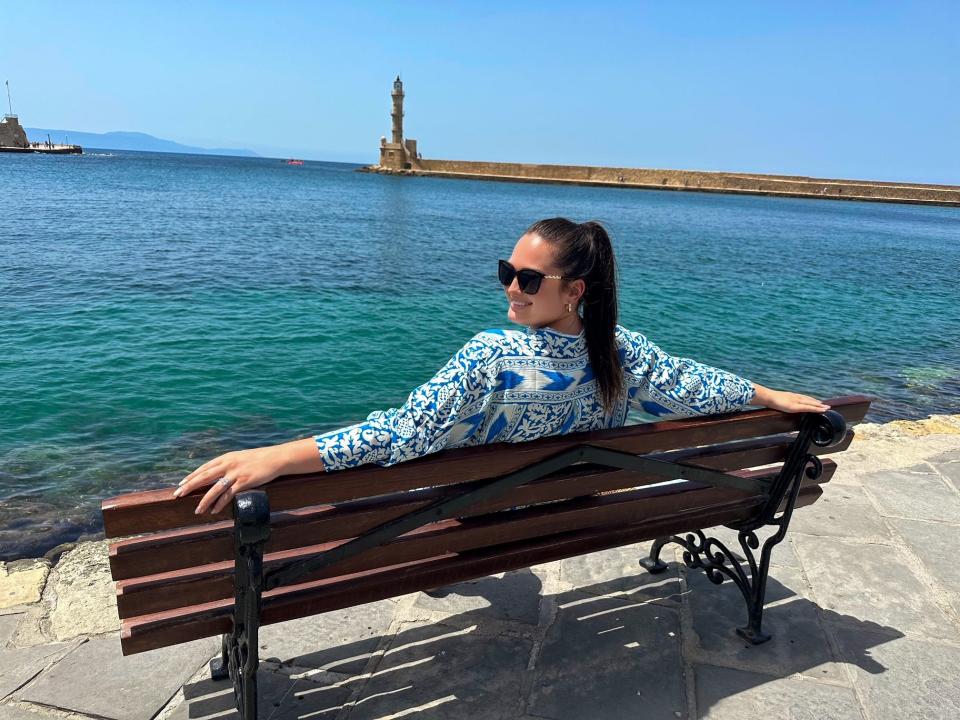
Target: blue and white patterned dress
<point>517,385</point>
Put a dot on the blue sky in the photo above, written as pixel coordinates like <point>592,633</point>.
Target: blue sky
<point>860,90</point>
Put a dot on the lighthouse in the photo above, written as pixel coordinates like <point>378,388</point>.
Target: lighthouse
<point>397,114</point>
<point>399,153</point>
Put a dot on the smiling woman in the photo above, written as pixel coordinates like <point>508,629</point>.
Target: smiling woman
<point>572,368</point>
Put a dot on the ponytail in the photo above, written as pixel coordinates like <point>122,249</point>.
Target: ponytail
<point>584,251</point>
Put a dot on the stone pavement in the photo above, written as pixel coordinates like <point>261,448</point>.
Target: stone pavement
<point>863,604</point>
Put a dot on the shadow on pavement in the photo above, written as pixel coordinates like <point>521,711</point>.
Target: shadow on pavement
<point>607,653</point>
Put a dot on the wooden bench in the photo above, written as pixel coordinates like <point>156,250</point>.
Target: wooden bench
<point>309,544</point>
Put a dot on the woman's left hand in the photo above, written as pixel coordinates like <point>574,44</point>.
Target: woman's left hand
<point>792,402</point>
<point>231,473</point>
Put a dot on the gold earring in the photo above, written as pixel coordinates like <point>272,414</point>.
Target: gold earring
<point>569,307</point>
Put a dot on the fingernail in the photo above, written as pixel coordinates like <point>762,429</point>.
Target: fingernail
<point>182,481</point>
<point>176,493</point>
<point>197,511</point>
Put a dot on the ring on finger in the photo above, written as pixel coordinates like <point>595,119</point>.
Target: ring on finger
<point>225,482</point>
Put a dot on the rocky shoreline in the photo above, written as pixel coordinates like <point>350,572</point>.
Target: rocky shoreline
<point>68,593</point>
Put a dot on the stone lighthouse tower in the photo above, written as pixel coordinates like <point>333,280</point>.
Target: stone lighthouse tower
<point>399,153</point>
<point>397,114</point>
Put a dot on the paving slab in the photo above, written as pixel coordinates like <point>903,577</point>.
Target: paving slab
<point>906,678</point>
<point>917,492</point>
<point>849,462</point>
<point>19,665</point>
<point>12,712</point>
<point>954,599</point>
<point>936,545</point>
<point>607,657</point>
<point>869,582</point>
<point>729,694</point>
<point>308,699</point>
<point>842,511</point>
<point>798,642</point>
<point>97,679</point>
<point>950,469</point>
<point>279,697</point>
<point>507,597</point>
<point>339,641</point>
<point>8,625</point>
<point>618,571</point>
<point>434,671</point>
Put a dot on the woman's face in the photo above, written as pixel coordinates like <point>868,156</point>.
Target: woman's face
<point>546,307</point>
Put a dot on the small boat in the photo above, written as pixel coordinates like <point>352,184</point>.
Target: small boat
<point>293,161</point>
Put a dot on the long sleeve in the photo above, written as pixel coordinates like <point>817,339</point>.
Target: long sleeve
<point>669,386</point>
<point>444,411</point>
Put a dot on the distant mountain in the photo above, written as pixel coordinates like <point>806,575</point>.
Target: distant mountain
<point>128,141</point>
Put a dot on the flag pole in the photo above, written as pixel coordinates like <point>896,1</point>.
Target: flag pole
<point>9,103</point>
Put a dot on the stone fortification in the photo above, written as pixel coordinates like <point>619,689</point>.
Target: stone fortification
<point>13,139</point>
<point>12,134</point>
<point>401,157</point>
<point>692,180</point>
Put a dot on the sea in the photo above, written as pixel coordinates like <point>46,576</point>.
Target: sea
<point>157,310</point>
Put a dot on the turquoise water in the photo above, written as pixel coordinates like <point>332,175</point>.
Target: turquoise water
<point>157,310</point>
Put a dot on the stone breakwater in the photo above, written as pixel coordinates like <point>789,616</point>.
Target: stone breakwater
<point>689,180</point>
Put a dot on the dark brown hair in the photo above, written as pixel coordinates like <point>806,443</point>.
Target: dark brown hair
<point>584,251</point>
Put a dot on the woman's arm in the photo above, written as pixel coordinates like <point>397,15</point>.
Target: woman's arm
<point>428,421</point>
<point>670,386</point>
<point>444,411</point>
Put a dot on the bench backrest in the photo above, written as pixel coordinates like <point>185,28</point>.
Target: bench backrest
<point>176,582</point>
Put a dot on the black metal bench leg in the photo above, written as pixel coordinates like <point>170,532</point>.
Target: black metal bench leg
<point>251,512</point>
<point>752,631</point>
<point>220,667</point>
<point>718,561</point>
<point>653,563</point>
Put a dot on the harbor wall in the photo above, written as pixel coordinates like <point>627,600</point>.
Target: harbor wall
<point>690,180</point>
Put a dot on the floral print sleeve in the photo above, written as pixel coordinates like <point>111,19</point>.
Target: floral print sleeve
<point>669,386</point>
<point>445,410</point>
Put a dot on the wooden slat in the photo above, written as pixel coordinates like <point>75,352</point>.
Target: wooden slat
<point>178,549</point>
<point>147,632</point>
<point>155,510</point>
<point>197,585</point>
<point>159,510</point>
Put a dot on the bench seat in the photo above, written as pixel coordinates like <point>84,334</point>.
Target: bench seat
<point>326,541</point>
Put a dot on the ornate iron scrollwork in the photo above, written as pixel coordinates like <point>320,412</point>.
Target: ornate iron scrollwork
<point>717,561</point>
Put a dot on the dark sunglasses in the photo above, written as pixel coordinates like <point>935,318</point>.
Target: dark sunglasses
<point>528,280</point>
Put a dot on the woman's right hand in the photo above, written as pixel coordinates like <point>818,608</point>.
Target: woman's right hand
<point>243,469</point>
<point>247,469</point>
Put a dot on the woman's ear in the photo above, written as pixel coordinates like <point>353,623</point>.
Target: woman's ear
<point>577,289</point>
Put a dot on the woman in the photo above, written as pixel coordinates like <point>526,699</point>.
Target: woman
<point>572,368</point>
